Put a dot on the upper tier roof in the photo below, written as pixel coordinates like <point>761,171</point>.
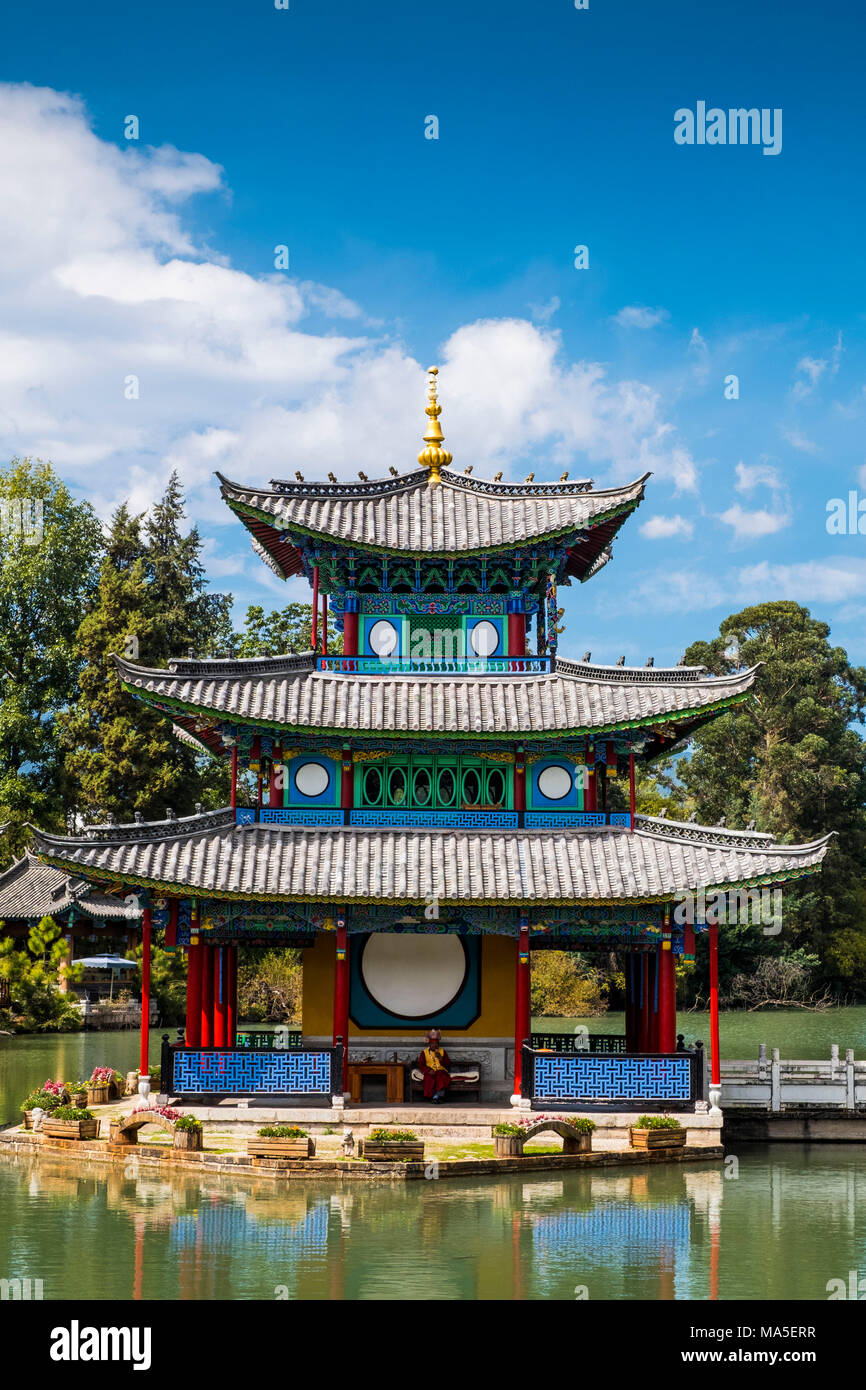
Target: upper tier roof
<point>576,698</point>
<point>30,889</point>
<point>210,855</point>
<point>405,516</point>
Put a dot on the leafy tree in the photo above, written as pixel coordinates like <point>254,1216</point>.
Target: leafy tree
<point>33,975</point>
<point>47,573</point>
<point>150,604</point>
<point>269,986</point>
<point>282,630</point>
<point>564,986</point>
<point>793,762</point>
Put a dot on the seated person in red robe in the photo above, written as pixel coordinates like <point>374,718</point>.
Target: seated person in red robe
<point>435,1066</point>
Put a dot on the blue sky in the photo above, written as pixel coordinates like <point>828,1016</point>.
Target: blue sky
<point>262,127</point>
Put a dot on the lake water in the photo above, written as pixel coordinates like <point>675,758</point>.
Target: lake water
<point>789,1221</point>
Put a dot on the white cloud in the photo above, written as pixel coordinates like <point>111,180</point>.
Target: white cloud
<point>761,474</point>
<point>660,527</point>
<point>799,441</point>
<point>101,279</point>
<point>748,525</point>
<point>811,581</point>
<point>543,313</point>
<point>640,316</point>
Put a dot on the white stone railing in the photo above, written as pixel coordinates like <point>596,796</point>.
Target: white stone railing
<point>771,1082</point>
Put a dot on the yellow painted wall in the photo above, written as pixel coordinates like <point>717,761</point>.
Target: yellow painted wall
<point>496,1020</point>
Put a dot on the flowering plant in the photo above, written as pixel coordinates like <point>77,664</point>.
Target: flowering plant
<point>164,1110</point>
<point>56,1088</point>
<point>102,1076</point>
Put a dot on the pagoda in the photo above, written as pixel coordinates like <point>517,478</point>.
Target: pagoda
<point>435,802</point>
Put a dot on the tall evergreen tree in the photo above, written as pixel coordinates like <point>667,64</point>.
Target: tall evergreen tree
<point>49,551</point>
<point>151,603</point>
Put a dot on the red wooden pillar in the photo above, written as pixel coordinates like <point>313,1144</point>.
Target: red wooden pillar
<point>232,996</point>
<point>207,997</point>
<point>715,1056</point>
<point>275,791</point>
<point>516,634</point>
<point>522,1021</point>
<point>341,995</point>
<point>220,997</point>
<point>192,1033</point>
<point>653,1001</point>
<point>631,787</point>
<point>667,1000</point>
<point>315,630</point>
<point>347,781</point>
<point>145,990</point>
<point>350,633</point>
<point>591,789</point>
<point>520,784</point>
<point>234,776</point>
<point>324,624</point>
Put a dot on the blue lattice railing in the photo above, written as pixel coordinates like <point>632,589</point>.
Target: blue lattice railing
<point>628,1082</point>
<point>436,666</point>
<point>594,820</point>
<point>297,1072</point>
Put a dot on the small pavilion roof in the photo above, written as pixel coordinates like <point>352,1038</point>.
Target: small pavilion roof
<point>404,516</point>
<point>289,693</point>
<point>210,855</point>
<point>30,889</point>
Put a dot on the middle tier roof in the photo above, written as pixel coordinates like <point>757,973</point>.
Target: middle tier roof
<point>289,693</point>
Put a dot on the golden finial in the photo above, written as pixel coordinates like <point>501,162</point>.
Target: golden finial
<point>434,457</point>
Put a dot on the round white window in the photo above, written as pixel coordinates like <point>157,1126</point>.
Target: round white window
<point>383,638</point>
<point>311,779</point>
<point>555,782</point>
<point>413,976</point>
<point>484,638</point>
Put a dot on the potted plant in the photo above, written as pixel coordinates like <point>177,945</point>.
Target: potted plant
<point>507,1141</point>
<point>188,1133</point>
<point>657,1132</point>
<point>39,1100</point>
<point>391,1145</point>
<point>281,1141</point>
<point>70,1122</point>
<point>98,1086</point>
<point>116,1084</point>
<point>77,1093</point>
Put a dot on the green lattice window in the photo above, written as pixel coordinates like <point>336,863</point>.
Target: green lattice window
<point>432,782</point>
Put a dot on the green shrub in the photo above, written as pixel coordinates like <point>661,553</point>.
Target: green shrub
<point>393,1136</point>
<point>507,1129</point>
<point>45,1100</point>
<point>188,1123</point>
<point>71,1112</point>
<point>658,1122</point>
<point>582,1123</point>
<point>282,1132</point>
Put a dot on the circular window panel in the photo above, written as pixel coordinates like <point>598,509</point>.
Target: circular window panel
<point>311,779</point>
<point>484,638</point>
<point>383,638</point>
<point>555,782</point>
<point>413,976</point>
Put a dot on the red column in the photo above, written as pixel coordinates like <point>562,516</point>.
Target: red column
<point>234,777</point>
<point>192,1033</point>
<point>232,996</point>
<point>315,630</point>
<point>520,784</point>
<point>653,1002</point>
<point>516,634</point>
<point>522,1022</point>
<point>207,997</point>
<point>716,1063</point>
<point>591,789</point>
<point>220,997</point>
<point>275,792</point>
<point>341,996</point>
<point>347,780</point>
<point>145,990</point>
<point>324,624</point>
<point>631,788</point>
<point>667,1001</point>
<point>350,633</point>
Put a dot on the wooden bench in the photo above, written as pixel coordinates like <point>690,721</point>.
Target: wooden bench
<point>466,1084</point>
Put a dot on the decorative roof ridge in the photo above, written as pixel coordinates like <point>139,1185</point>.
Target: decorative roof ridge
<point>225,667</point>
<point>17,866</point>
<point>418,479</point>
<point>177,828</point>
<point>660,828</point>
<point>646,675</point>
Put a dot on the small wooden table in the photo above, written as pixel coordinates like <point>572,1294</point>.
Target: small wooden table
<point>392,1072</point>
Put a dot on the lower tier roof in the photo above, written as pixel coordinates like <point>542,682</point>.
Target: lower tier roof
<point>30,890</point>
<point>210,856</point>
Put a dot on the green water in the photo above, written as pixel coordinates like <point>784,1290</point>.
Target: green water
<point>790,1221</point>
<point>30,1059</point>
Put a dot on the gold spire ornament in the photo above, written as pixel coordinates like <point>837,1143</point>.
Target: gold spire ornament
<point>434,457</point>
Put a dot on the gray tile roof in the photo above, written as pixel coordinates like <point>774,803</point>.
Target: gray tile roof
<point>288,692</point>
<point>209,854</point>
<point>404,514</point>
<point>30,889</point>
